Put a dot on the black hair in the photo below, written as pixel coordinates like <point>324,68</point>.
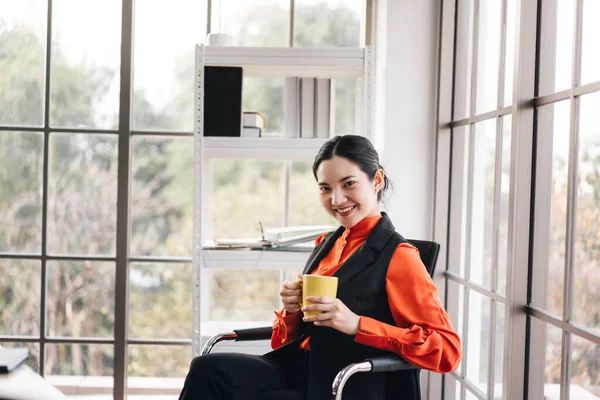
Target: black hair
<point>357,149</point>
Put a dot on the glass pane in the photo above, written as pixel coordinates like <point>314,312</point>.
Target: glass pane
<point>332,23</point>
<point>488,55</point>
<point>452,388</point>
<point>265,95</point>
<point>556,48</point>
<point>470,396</point>
<point>163,380</point>
<point>162,95</point>
<point>33,361</point>
<point>478,342</point>
<point>80,368</point>
<point>590,53</point>
<point>81,299</point>
<point>254,23</point>
<point>160,301</point>
<point>84,74</point>
<point>345,107</point>
<point>587,235</point>
<point>305,207</point>
<point>548,269</point>
<point>499,350</point>
<point>482,218</point>
<point>463,57</point>
<point>21,163</point>
<point>23,62</point>
<point>458,391</point>
<point>162,196</point>
<point>82,194</point>
<point>509,56</point>
<point>245,192</point>
<point>459,194</point>
<point>456,310</point>
<point>544,360</point>
<point>244,295</point>
<point>20,294</point>
<point>504,198</point>
<point>585,369</point>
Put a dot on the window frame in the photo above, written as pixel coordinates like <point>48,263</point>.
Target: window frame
<point>122,257</point>
<point>523,374</point>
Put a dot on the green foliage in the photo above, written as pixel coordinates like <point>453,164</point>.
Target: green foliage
<point>22,78</point>
<point>82,193</point>
<point>341,29</point>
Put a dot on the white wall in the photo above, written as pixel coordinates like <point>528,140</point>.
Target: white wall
<point>406,59</point>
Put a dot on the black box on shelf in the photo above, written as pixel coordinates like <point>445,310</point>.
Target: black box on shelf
<point>223,101</point>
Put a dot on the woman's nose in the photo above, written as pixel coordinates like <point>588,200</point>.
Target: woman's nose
<point>337,198</point>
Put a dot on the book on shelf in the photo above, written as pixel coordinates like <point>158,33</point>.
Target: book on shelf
<point>307,107</point>
<point>255,119</point>
<point>287,236</point>
<point>322,109</point>
<point>11,358</point>
<point>251,132</point>
<point>291,107</point>
<point>222,101</point>
<point>235,244</point>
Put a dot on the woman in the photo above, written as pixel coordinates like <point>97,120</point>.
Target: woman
<point>386,301</point>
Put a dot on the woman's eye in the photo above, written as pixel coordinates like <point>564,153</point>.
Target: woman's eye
<point>323,189</point>
<point>349,183</point>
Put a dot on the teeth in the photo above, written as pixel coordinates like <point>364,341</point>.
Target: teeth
<point>344,210</point>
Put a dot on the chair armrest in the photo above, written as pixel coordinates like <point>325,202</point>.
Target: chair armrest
<point>389,363</point>
<point>239,335</point>
<point>262,333</point>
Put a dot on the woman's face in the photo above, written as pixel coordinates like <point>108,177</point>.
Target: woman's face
<point>346,192</point>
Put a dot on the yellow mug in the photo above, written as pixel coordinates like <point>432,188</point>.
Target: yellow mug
<point>317,285</point>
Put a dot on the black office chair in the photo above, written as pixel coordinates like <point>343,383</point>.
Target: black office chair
<point>429,253</point>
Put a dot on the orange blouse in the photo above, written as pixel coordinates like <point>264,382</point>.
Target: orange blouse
<point>423,334</point>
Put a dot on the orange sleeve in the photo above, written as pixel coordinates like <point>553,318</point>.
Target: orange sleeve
<point>423,334</point>
<point>320,238</point>
<point>286,328</point>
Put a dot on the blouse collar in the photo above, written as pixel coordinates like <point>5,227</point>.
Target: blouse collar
<point>363,227</point>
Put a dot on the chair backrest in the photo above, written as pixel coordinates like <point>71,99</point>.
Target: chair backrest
<point>428,251</point>
<point>406,384</point>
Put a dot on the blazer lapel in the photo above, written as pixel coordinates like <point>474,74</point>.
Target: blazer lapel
<point>365,255</point>
<point>355,263</point>
<point>321,252</point>
<point>361,258</point>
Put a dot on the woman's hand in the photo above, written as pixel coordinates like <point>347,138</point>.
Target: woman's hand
<point>335,314</point>
<point>291,295</point>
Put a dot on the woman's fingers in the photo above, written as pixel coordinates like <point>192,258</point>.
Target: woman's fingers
<point>290,299</point>
<point>333,314</point>
<point>290,292</point>
<point>321,299</point>
<point>291,296</point>
<point>290,289</point>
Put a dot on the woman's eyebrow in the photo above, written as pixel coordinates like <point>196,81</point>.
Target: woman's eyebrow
<point>341,180</point>
<point>347,177</point>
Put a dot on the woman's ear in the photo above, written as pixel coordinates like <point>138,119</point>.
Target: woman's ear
<point>379,180</point>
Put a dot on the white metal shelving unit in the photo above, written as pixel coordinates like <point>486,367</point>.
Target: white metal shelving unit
<point>341,63</point>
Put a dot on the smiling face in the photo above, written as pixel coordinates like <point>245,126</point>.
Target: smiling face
<point>346,192</point>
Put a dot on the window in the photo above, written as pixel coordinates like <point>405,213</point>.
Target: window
<point>64,210</point>
<point>476,270</point>
<point>522,229</point>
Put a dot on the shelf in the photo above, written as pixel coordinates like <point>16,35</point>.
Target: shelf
<point>254,259</point>
<point>262,148</point>
<point>286,61</point>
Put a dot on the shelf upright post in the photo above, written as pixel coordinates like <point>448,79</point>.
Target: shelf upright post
<point>367,96</point>
<point>197,226</point>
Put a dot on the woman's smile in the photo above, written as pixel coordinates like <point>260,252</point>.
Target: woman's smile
<point>344,212</point>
